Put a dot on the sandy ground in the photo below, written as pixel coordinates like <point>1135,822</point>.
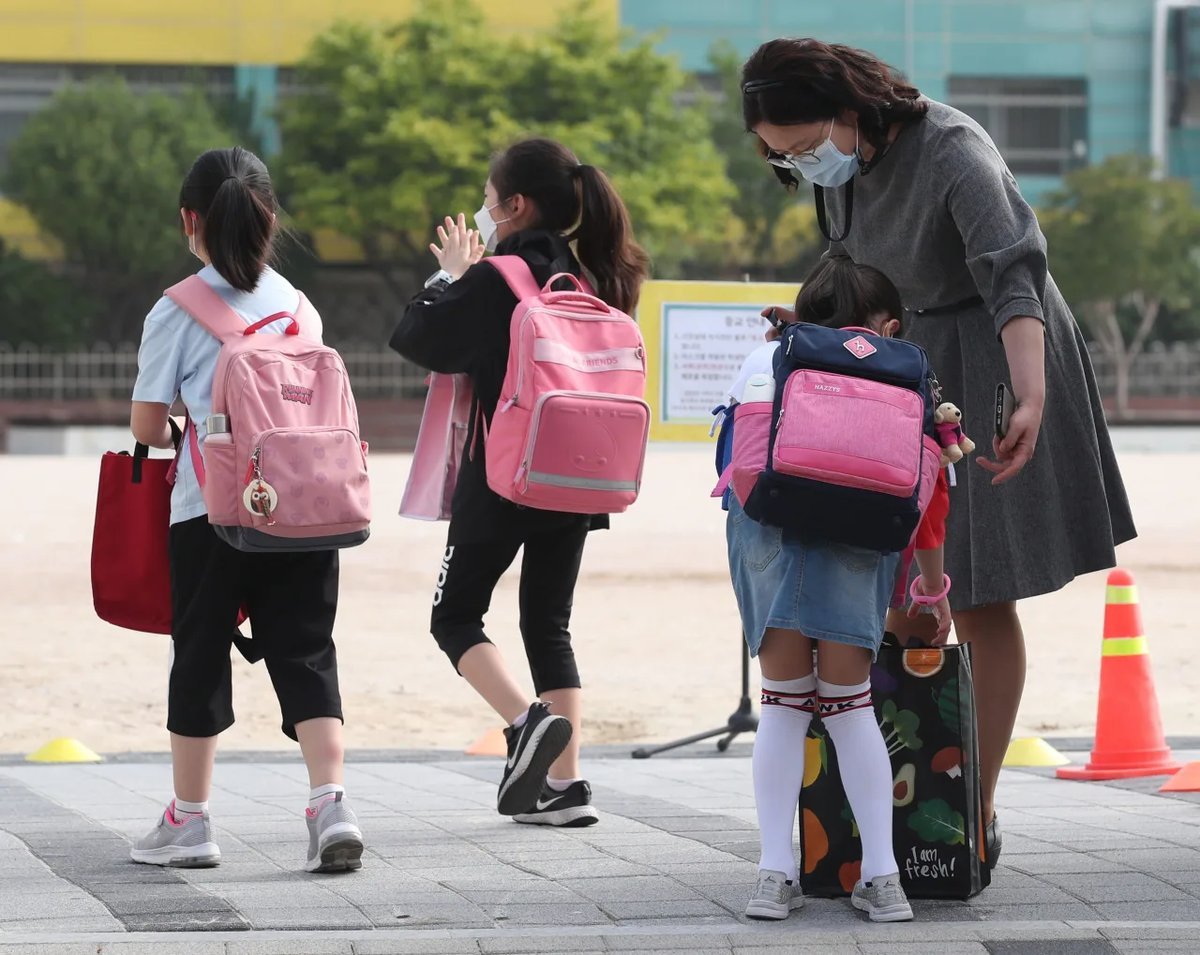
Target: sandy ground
<point>655,623</point>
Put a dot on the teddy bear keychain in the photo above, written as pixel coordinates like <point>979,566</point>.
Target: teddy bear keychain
<point>947,422</point>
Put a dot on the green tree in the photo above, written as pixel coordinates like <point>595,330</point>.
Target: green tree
<point>394,127</point>
<point>1123,245</point>
<point>99,169</point>
<point>37,305</point>
<point>778,235</point>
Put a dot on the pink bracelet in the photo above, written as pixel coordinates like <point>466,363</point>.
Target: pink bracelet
<point>928,601</point>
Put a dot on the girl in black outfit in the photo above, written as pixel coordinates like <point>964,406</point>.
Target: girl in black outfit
<point>542,204</point>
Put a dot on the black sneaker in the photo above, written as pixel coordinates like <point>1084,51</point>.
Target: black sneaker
<point>571,809</point>
<point>532,747</point>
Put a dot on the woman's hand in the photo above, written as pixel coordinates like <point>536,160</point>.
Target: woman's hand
<point>778,316</point>
<point>1024,340</point>
<point>1013,451</point>
<point>460,247</point>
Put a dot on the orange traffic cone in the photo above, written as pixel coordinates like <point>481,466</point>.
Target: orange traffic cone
<point>1129,735</point>
<point>1187,780</point>
<point>491,743</point>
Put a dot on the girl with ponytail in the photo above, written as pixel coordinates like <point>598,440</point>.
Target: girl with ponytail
<point>559,215</point>
<point>228,208</point>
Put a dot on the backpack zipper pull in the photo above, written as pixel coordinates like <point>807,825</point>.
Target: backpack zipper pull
<point>252,467</point>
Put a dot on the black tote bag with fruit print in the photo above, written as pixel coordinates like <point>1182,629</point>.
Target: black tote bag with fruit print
<point>925,705</point>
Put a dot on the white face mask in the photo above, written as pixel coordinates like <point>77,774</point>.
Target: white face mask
<point>827,165</point>
<point>192,238</point>
<point>487,226</point>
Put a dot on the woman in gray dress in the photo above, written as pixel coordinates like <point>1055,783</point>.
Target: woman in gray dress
<point>918,190</point>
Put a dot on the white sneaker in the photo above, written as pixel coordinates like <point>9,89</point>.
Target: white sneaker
<point>882,899</point>
<point>185,843</point>
<point>775,896</point>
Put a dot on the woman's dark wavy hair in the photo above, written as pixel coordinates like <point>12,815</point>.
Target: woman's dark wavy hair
<point>230,191</point>
<point>787,82</point>
<point>840,293</point>
<point>580,202</point>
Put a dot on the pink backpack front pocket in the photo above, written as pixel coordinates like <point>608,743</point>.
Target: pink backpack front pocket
<point>821,428</point>
<point>319,476</point>
<point>751,445</point>
<point>584,453</point>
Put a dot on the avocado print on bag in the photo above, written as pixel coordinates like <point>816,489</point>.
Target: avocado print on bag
<point>926,710</point>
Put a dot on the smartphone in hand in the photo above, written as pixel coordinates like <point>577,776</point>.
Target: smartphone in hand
<point>1006,404</point>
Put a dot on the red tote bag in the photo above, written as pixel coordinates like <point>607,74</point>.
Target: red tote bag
<point>131,573</point>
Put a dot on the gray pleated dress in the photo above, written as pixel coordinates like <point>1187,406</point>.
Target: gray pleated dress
<point>942,217</point>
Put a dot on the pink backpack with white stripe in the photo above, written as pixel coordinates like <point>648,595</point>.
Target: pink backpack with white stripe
<point>291,472</point>
<point>570,430</point>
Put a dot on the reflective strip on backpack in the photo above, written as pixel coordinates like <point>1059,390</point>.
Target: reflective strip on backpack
<point>586,484</point>
<point>610,359</point>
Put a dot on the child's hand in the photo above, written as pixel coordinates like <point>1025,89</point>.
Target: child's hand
<point>777,314</point>
<point>460,247</point>
<point>941,614</point>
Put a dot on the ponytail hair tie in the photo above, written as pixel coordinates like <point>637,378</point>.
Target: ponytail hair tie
<point>579,168</point>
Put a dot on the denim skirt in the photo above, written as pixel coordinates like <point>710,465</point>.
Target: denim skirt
<point>826,591</point>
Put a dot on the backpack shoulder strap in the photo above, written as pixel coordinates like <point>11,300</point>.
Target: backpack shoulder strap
<point>196,297</point>
<point>515,271</point>
<point>309,320</point>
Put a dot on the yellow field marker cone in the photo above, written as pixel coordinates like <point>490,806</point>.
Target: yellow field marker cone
<point>64,750</point>
<point>1033,751</point>
<point>1187,780</point>
<point>491,743</point>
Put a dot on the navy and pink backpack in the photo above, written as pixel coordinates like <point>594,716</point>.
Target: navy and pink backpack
<point>846,451</point>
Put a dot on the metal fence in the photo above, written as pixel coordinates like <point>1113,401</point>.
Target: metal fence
<point>106,372</point>
<point>1163,371</point>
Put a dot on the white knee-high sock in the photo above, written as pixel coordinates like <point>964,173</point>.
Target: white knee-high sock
<point>865,769</point>
<point>778,765</point>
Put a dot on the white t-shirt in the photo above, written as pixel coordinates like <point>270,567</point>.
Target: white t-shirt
<point>761,361</point>
<point>178,358</point>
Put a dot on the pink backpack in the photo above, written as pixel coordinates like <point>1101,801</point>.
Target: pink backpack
<point>291,472</point>
<point>570,430</point>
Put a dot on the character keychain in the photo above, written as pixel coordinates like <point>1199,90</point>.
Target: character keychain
<point>259,497</point>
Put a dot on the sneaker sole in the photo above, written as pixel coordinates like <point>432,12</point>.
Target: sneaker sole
<point>576,817</point>
<point>904,914</point>
<point>341,855</point>
<point>524,785</point>
<point>769,911</point>
<point>205,856</point>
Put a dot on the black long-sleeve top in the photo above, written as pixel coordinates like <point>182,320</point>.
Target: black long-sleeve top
<point>463,328</point>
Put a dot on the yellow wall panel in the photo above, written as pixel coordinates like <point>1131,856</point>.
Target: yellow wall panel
<point>149,43</point>
<point>45,41</point>
<point>215,32</point>
<point>165,11</point>
<point>38,9</point>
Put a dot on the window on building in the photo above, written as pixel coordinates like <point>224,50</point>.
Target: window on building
<point>1183,69</point>
<point>1039,124</point>
<point>26,87</point>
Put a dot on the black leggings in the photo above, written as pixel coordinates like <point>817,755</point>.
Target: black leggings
<point>471,567</point>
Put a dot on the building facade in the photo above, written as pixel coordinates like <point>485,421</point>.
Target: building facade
<point>1058,83</point>
<point>242,48</point>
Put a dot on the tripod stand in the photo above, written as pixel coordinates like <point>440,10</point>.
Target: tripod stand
<point>741,720</point>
